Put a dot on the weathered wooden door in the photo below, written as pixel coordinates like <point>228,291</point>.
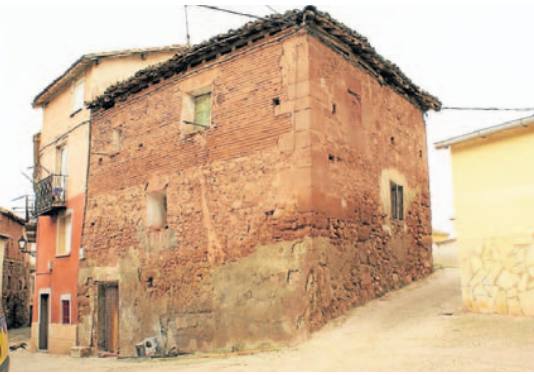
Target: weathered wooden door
<point>109,318</point>
<point>43,322</point>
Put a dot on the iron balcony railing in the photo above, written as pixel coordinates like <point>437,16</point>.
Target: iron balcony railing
<point>50,194</point>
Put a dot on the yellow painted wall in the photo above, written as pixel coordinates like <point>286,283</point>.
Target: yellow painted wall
<point>494,211</point>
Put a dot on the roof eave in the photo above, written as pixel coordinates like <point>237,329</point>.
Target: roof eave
<point>385,71</point>
<point>523,122</point>
<point>82,62</point>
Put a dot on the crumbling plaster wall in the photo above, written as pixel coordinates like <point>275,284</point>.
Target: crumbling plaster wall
<point>268,236</point>
<point>364,135</point>
<point>229,190</point>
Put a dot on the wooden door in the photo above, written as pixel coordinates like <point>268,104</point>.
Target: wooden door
<point>109,318</point>
<point>43,322</point>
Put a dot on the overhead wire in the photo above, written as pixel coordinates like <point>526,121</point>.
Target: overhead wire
<point>445,108</point>
<point>458,108</point>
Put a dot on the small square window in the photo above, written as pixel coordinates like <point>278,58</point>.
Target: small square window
<point>397,201</point>
<point>156,209</point>
<point>202,105</point>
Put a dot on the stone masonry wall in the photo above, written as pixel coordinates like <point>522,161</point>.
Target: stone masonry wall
<point>15,275</point>
<point>498,275</point>
<point>229,189</point>
<point>276,221</point>
<point>363,136</point>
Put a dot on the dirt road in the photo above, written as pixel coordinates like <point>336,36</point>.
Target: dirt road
<point>421,327</point>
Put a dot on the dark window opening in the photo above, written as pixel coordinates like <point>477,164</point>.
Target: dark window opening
<point>333,108</point>
<point>397,201</point>
<point>65,308</point>
<point>276,101</point>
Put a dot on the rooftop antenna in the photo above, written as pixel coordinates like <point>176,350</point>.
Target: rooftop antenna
<point>188,37</point>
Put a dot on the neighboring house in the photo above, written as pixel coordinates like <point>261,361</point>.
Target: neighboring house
<point>251,189</point>
<point>15,282</point>
<point>494,211</point>
<point>61,154</point>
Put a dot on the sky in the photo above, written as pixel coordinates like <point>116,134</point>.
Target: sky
<point>467,53</point>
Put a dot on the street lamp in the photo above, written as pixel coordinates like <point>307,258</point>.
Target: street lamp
<point>22,245</point>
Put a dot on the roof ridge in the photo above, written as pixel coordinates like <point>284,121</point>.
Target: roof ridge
<point>384,70</point>
<point>485,131</point>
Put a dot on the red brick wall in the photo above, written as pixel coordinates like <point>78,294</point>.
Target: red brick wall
<point>363,135</point>
<point>229,189</point>
<point>259,247</point>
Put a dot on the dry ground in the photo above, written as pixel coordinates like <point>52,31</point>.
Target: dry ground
<point>421,327</point>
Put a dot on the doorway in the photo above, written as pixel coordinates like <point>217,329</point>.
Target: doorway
<point>43,321</point>
<point>108,318</point>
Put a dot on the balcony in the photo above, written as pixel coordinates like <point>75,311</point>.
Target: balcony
<point>50,194</point>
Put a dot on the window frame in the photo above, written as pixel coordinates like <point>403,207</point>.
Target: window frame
<point>78,97</point>
<point>396,192</point>
<point>67,249</point>
<point>188,111</point>
<point>66,298</point>
<point>196,104</point>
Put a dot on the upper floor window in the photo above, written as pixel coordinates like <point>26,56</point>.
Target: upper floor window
<point>397,201</point>
<point>61,160</point>
<point>196,109</point>
<point>64,233</point>
<point>202,105</point>
<point>77,97</point>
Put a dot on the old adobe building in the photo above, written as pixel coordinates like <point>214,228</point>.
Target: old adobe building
<point>252,188</point>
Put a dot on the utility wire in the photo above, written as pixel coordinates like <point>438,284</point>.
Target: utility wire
<point>211,7</point>
<point>445,108</point>
<point>231,11</point>
<point>487,109</point>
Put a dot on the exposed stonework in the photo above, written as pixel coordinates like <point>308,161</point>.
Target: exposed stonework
<point>277,215</point>
<point>15,283</point>
<point>498,276</point>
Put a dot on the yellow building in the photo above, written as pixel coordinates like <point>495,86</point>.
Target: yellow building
<point>61,161</point>
<point>493,182</point>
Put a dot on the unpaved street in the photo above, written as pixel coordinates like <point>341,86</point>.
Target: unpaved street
<point>421,327</point>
